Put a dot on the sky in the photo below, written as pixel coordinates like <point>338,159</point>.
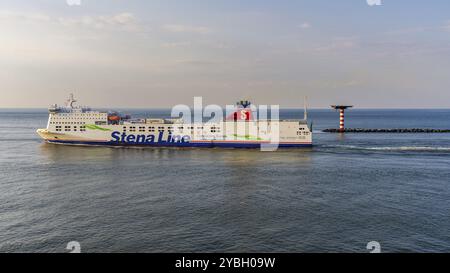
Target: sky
<point>159,53</point>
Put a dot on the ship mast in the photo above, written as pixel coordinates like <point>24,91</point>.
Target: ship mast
<point>305,114</point>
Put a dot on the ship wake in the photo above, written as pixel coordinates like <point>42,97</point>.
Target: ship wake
<point>439,149</point>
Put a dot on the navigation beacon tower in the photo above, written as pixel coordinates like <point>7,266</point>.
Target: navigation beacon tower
<point>341,109</point>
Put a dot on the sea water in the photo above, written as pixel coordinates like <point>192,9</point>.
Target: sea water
<point>339,195</point>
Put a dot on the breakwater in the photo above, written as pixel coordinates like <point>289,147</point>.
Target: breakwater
<point>393,130</point>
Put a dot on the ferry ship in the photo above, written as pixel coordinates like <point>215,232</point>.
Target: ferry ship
<point>77,125</point>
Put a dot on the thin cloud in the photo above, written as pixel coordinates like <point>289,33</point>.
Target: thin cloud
<point>412,30</point>
<point>305,25</point>
<point>197,62</point>
<point>447,26</point>
<point>186,28</point>
<point>176,44</point>
<point>29,16</point>
<point>123,21</point>
<point>338,44</point>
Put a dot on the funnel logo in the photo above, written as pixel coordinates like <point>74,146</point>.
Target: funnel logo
<point>374,2</point>
<point>73,2</point>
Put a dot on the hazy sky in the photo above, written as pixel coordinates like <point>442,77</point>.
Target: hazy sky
<point>157,53</point>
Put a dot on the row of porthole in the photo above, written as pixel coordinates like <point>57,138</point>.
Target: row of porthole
<point>67,122</point>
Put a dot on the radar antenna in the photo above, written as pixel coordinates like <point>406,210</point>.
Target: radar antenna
<point>243,103</point>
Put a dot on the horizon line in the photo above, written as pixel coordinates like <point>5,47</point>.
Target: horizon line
<point>281,108</point>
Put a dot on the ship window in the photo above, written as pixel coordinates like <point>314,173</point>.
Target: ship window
<point>124,128</point>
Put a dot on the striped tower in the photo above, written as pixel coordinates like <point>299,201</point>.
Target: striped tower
<point>341,120</point>
<point>341,109</point>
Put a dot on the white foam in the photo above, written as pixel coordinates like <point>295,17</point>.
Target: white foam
<point>398,148</point>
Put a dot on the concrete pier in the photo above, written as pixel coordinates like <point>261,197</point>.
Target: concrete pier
<point>395,130</point>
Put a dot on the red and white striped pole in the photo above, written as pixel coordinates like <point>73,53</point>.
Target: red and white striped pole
<point>341,109</point>
<point>341,120</point>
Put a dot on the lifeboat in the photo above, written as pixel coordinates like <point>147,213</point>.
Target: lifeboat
<point>114,118</point>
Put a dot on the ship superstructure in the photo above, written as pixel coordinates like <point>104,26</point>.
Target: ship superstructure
<point>76,125</point>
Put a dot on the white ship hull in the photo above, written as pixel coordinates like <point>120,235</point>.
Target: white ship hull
<point>122,135</point>
<point>81,126</point>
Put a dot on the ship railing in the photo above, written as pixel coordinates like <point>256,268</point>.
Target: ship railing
<point>301,121</point>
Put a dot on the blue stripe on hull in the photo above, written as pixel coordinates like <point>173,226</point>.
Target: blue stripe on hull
<point>189,144</point>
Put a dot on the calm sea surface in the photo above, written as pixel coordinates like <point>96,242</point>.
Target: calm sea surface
<point>336,197</point>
